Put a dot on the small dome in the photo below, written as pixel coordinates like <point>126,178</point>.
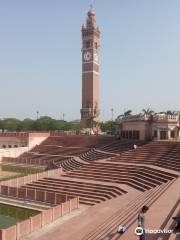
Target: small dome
<point>91,13</point>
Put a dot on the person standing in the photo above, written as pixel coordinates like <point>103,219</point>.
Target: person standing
<point>141,221</point>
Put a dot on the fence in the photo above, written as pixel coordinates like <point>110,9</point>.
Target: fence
<point>18,182</point>
<point>61,206</point>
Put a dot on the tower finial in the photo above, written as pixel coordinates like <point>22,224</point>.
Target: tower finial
<point>91,5</point>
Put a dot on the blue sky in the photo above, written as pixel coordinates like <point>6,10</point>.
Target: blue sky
<point>40,56</point>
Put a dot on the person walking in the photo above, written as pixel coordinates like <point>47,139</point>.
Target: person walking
<point>134,146</point>
<point>141,221</point>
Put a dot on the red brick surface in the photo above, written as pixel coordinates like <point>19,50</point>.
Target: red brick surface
<point>57,211</point>
<point>50,197</point>
<point>66,207</point>
<point>47,216</point>
<point>36,222</point>
<point>40,195</point>
<point>23,228</point>
<point>10,233</point>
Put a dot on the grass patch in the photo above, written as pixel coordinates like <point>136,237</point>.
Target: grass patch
<point>24,170</point>
<point>10,215</point>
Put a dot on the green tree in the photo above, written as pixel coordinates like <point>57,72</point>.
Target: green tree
<point>12,124</point>
<point>2,127</point>
<point>125,114</point>
<point>148,111</point>
<point>27,124</point>
<point>170,112</point>
<point>107,126</point>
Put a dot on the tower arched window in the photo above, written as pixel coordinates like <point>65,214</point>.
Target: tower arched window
<point>88,44</point>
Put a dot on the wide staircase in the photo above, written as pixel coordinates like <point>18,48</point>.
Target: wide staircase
<point>70,164</point>
<point>162,154</point>
<point>139,177</point>
<point>89,193</point>
<point>119,146</point>
<point>93,155</point>
<point>79,141</point>
<point>57,149</point>
<point>126,216</point>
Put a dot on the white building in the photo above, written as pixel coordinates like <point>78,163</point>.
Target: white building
<point>160,126</point>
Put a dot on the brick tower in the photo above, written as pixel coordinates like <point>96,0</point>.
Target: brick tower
<point>90,71</point>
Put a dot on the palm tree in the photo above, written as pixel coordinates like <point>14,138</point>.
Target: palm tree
<point>128,113</point>
<point>169,112</point>
<point>148,111</point>
<point>125,114</point>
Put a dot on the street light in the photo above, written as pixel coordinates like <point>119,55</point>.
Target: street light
<point>112,114</point>
<point>112,118</point>
<point>37,114</point>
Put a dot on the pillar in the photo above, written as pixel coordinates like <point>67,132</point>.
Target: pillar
<point>169,134</point>
<point>158,134</point>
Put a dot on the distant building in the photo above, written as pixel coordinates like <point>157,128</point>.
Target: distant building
<point>160,126</point>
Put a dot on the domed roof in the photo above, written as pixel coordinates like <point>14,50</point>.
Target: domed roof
<point>91,13</point>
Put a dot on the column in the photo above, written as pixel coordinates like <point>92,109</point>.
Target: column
<point>169,134</point>
<point>158,134</point>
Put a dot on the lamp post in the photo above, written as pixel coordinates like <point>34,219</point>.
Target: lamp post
<point>37,114</point>
<point>112,118</point>
<point>112,114</point>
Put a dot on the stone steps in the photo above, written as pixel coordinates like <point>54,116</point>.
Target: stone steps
<point>125,217</point>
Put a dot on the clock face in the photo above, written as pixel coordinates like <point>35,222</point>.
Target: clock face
<point>87,56</point>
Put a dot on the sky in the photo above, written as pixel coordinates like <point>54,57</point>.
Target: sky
<point>40,56</point>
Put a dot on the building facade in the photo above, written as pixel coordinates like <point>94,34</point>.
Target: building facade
<point>160,126</point>
<point>90,70</point>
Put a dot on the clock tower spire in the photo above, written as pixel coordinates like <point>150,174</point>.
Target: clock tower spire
<point>90,70</point>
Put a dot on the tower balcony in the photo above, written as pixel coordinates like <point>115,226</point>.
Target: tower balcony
<point>89,113</point>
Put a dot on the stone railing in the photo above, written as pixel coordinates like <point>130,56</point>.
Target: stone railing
<point>18,182</point>
<point>61,205</point>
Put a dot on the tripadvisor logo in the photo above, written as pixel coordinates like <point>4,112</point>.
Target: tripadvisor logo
<point>139,231</point>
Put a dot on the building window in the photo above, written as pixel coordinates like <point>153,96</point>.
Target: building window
<point>172,134</point>
<point>126,134</point>
<point>130,134</point>
<point>155,134</point>
<point>88,44</point>
<point>134,135</point>
<point>138,135</point>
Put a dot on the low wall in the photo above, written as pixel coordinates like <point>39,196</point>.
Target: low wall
<point>57,133</point>
<point>34,223</point>
<point>25,227</point>
<point>18,182</point>
<point>33,194</point>
<point>20,142</point>
<point>62,205</point>
<point>12,152</point>
<point>26,160</point>
<point>37,138</point>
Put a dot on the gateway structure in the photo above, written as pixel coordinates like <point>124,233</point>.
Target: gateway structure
<point>160,126</point>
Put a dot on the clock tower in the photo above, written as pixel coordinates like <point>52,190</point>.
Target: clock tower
<point>90,70</point>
